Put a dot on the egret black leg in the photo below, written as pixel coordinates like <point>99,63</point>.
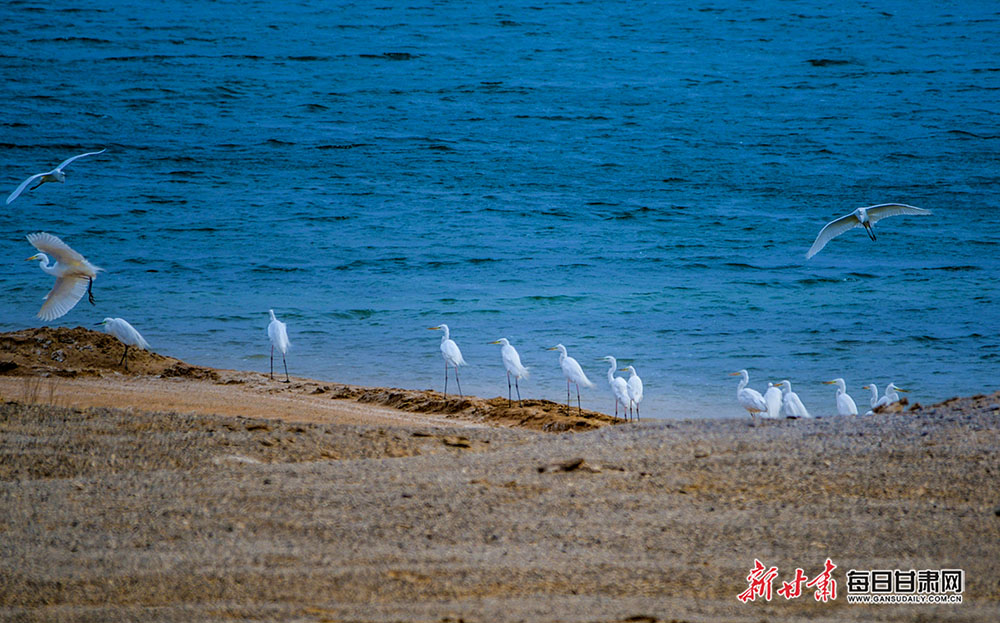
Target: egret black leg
<point>90,290</point>
<point>287,380</point>
<point>272,362</point>
<point>578,407</point>
<point>508,389</point>
<point>567,395</point>
<point>446,378</point>
<point>124,358</point>
<point>459,383</point>
<point>518,392</point>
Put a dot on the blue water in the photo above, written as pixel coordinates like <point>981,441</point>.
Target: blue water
<point>634,179</point>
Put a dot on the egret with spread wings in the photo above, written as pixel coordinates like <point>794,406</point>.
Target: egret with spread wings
<point>74,275</point>
<point>862,217</point>
<point>55,175</point>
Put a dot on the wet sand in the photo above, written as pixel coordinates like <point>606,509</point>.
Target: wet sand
<point>188,504</point>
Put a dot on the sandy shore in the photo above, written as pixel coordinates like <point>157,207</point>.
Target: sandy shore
<point>221,495</point>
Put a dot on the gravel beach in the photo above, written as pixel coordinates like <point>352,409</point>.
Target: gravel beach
<point>411,507</point>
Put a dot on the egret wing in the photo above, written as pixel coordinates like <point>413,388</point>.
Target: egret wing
<point>278,332</point>
<point>878,212</point>
<point>52,245</point>
<point>63,297</point>
<point>121,329</point>
<point>831,230</point>
<point>69,160</point>
<point>20,189</point>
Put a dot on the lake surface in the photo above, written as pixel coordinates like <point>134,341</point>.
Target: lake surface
<point>631,179</point>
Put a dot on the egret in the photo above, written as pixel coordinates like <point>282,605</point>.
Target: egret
<point>845,404</point>
<point>874,399</point>
<point>634,389</point>
<point>452,356</point>
<point>573,373</point>
<point>861,217</point>
<point>791,404</point>
<point>277,331</point>
<point>55,175</point>
<point>619,386</point>
<point>74,275</point>
<point>890,396</point>
<point>772,398</point>
<point>126,334</point>
<point>512,362</point>
<point>751,399</point>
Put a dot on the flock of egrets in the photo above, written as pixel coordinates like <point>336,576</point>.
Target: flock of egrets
<point>75,277</point>
<point>779,400</point>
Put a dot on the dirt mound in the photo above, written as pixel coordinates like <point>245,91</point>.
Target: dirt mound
<point>534,414</point>
<point>82,352</point>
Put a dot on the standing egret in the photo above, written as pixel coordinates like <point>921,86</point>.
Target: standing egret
<point>277,331</point>
<point>573,373</point>
<point>74,275</point>
<point>845,404</point>
<point>512,362</point>
<point>772,398</point>
<point>125,333</point>
<point>55,175</point>
<point>634,389</point>
<point>790,402</point>
<point>862,217</point>
<point>619,386</point>
<point>890,396</point>
<point>452,356</point>
<point>874,399</point>
<point>751,399</point>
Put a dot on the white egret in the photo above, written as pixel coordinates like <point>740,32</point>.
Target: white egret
<point>619,386</point>
<point>874,399</point>
<point>512,363</point>
<point>845,404</point>
<point>74,275</point>
<point>55,175</point>
<point>772,398</point>
<point>861,217</point>
<point>573,373</point>
<point>790,402</point>
<point>890,396</point>
<point>751,399</point>
<point>634,389</point>
<point>277,332</point>
<point>126,334</point>
<point>452,356</point>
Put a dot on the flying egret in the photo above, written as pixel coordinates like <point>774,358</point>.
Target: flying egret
<point>874,399</point>
<point>452,356</point>
<point>772,398</point>
<point>126,334</point>
<point>861,217</point>
<point>512,362</point>
<point>634,389</point>
<point>751,399</point>
<point>74,275</point>
<point>890,396</point>
<point>573,373</point>
<point>55,175</point>
<point>790,402</point>
<point>277,331</point>
<point>619,386</point>
<point>845,404</point>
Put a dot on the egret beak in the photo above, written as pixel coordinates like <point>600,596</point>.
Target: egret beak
<point>496,342</point>
<point>734,374</point>
<point>866,387</point>
<point>900,389</point>
<point>433,328</point>
<point>552,348</point>
<point>829,382</point>
<point>31,259</point>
